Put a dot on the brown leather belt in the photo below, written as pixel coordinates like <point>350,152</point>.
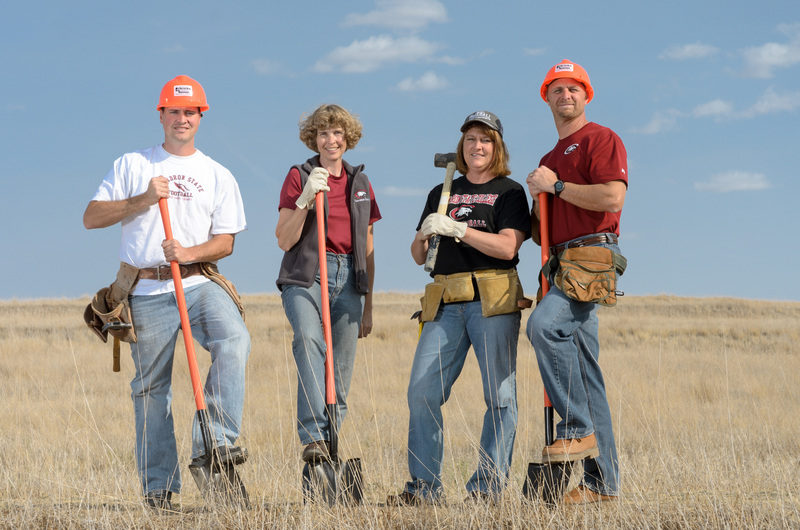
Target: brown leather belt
<point>164,272</point>
<point>584,242</point>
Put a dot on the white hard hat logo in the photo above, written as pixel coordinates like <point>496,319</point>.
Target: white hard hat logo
<point>183,90</point>
<point>564,68</point>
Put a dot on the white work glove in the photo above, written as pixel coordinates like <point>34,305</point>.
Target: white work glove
<point>438,223</point>
<point>317,181</point>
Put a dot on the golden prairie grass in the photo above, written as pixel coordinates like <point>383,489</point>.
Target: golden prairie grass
<point>704,393</point>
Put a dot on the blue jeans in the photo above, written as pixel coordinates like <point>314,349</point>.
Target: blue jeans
<point>302,307</point>
<point>218,327</point>
<point>441,352</point>
<point>564,334</point>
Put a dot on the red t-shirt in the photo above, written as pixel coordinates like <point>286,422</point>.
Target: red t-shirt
<point>340,237</point>
<point>592,155</point>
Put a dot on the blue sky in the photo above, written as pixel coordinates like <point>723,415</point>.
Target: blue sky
<point>705,95</point>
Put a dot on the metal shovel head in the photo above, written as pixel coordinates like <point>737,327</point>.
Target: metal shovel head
<point>333,482</point>
<point>220,484</point>
<point>547,482</point>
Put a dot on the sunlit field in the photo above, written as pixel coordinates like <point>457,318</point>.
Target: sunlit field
<point>705,395</point>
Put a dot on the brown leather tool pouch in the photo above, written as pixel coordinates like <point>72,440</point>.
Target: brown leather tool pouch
<point>589,274</point>
<point>211,271</point>
<point>109,312</point>
<point>110,305</point>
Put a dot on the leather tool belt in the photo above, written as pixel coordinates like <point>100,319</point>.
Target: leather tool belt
<point>584,242</point>
<point>164,272</point>
<point>499,292</point>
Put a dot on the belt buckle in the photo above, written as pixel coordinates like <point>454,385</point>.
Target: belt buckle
<point>158,273</point>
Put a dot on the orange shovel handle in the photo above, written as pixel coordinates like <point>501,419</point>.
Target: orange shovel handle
<point>330,385</point>
<point>544,236</point>
<point>194,372</point>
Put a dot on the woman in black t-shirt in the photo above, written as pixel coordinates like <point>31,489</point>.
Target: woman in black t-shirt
<point>473,301</point>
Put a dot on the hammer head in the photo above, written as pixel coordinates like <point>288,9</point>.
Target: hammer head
<point>442,159</point>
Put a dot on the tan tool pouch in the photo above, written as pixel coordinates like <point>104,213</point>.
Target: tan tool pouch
<point>211,271</point>
<point>110,307</point>
<point>589,274</point>
<point>501,291</point>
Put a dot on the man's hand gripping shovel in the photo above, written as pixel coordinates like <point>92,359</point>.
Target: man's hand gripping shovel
<point>214,472</point>
<point>547,481</point>
<point>330,480</point>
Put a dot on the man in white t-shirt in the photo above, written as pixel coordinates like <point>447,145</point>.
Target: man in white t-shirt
<point>206,213</point>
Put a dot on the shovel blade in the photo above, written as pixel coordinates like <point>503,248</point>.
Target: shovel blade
<point>547,482</point>
<point>334,482</point>
<point>220,485</point>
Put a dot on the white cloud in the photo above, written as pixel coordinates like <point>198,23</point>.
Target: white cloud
<point>373,53</point>
<point>716,109</point>
<point>734,181</point>
<point>662,121</point>
<point>689,51</point>
<point>395,191</point>
<point>772,102</point>
<point>533,51</point>
<point>400,14</point>
<point>760,61</point>
<point>265,66</point>
<point>429,81</point>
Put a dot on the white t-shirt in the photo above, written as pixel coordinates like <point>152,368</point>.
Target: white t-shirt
<point>204,202</point>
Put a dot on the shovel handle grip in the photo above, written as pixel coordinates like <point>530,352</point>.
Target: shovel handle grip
<point>186,327</point>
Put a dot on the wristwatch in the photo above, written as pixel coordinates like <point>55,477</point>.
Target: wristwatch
<point>558,187</point>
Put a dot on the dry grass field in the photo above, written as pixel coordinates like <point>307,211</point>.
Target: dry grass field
<point>705,395</point>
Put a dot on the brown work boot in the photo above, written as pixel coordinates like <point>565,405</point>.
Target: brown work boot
<point>570,450</point>
<point>583,495</point>
<point>316,452</point>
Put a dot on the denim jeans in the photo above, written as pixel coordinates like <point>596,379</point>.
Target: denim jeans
<point>302,307</point>
<point>217,327</point>
<point>441,352</point>
<point>564,334</point>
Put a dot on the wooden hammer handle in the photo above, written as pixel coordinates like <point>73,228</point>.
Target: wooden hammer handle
<point>433,242</point>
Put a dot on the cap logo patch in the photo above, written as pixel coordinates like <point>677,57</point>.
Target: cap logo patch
<point>564,68</point>
<point>480,115</point>
<point>183,90</point>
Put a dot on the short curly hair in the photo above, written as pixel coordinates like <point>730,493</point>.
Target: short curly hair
<point>328,116</point>
<point>500,159</point>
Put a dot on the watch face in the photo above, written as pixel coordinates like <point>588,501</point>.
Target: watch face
<point>559,186</point>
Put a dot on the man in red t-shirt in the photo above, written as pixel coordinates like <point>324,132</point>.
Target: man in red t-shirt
<point>585,178</point>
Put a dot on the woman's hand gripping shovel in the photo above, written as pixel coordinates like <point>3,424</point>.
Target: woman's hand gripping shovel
<point>546,480</point>
<point>214,472</point>
<point>330,480</point>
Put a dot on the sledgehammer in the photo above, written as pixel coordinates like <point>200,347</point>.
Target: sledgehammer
<point>446,160</point>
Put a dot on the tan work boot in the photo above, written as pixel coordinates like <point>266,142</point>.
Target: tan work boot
<point>570,450</point>
<point>583,495</point>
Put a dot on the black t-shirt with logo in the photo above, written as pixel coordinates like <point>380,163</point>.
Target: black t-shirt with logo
<point>496,205</point>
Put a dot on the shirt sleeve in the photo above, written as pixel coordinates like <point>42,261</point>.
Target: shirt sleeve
<point>514,212</point>
<point>374,212</point>
<point>291,190</point>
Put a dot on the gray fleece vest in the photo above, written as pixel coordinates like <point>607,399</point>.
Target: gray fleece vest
<point>300,264</point>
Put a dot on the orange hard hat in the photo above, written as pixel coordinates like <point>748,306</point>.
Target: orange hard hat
<point>183,91</point>
<point>567,69</point>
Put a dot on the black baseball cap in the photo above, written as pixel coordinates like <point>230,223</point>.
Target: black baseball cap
<point>485,117</point>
